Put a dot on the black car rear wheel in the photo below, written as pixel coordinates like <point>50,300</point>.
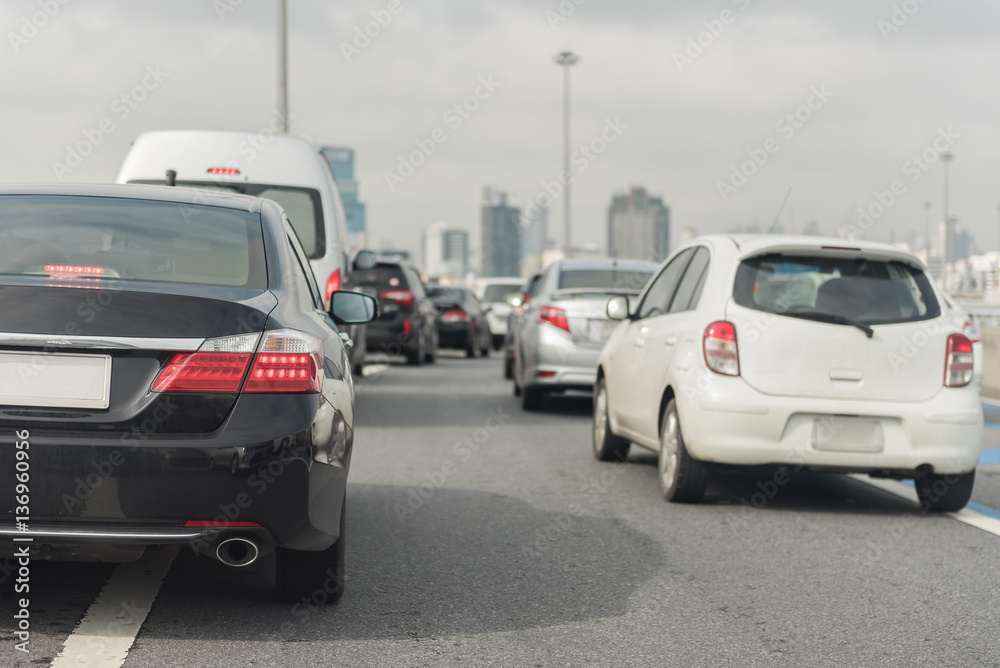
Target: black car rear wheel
<point>945,493</point>
<point>314,577</point>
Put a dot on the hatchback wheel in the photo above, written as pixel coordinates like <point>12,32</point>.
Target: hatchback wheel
<point>682,478</point>
<point>415,357</point>
<point>316,577</point>
<point>945,493</point>
<point>607,446</point>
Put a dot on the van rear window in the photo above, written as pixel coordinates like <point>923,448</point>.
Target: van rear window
<point>86,240</point>
<point>868,291</point>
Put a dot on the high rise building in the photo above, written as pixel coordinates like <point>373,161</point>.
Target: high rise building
<point>534,239</point>
<point>341,161</point>
<point>501,235</point>
<point>638,226</point>
<point>446,251</point>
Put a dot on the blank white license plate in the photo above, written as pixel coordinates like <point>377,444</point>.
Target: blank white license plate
<point>55,380</point>
<point>847,434</point>
<point>600,330</point>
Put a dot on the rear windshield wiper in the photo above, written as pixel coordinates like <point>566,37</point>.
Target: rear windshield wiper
<point>834,320</point>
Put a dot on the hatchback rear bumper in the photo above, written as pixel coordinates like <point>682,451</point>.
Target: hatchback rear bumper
<point>735,424</point>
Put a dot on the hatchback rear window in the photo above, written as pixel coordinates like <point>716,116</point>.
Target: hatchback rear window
<point>632,280</point>
<point>872,292</point>
<point>75,240</point>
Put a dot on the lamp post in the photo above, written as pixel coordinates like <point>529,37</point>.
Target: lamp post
<point>282,66</point>
<point>566,59</point>
<point>946,158</point>
<point>927,228</point>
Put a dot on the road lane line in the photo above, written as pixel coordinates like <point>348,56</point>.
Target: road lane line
<point>975,514</point>
<point>106,633</point>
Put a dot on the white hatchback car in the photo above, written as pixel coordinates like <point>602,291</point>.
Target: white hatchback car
<point>799,352</point>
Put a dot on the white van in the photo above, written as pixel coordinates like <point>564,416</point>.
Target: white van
<point>287,169</point>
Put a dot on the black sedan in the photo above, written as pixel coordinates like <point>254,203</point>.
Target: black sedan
<point>168,375</point>
<point>461,322</point>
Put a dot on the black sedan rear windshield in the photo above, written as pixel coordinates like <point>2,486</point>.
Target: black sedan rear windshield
<point>75,239</point>
<point>383,276</point>
<point>632,280</point>
<point>867,291</point>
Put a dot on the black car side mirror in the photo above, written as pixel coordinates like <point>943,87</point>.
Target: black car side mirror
<point>352,308</point>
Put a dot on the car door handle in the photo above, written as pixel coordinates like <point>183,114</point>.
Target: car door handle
<point>670,340</point>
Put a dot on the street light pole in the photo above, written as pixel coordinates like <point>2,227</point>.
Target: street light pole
<point>566,59</point>
<point>946,158</point>
<point>927,228</point>
<point>282,66</point>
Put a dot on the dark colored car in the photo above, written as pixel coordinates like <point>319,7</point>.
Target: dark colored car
<point>407,324</point>
<point>168,375</point>
<point>462,323</point>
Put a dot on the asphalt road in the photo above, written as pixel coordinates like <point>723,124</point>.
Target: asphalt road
<point>480,535</point>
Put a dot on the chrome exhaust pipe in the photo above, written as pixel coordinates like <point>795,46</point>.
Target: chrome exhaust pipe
<point>237,552</point>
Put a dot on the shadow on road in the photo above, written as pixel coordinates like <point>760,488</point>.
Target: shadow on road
<point>464,563</point>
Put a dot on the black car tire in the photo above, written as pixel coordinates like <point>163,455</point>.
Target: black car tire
<point>485,350</point>
<point>415,357</point>
<point>470,348</point>
<point>310,576</point>
<point>942,493</point>
<point>359,369</point>
<point>683,478</point>
<point>607,446</point>
<point>508,368</point>
<point>531,398</point>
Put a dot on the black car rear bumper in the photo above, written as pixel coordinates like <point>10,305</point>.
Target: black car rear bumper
<point>279,462</point>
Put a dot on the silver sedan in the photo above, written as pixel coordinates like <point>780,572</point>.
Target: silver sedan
<point>564,325</point>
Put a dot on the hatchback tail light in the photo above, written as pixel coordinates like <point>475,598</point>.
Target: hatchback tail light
<point>958,361</point>
<point>401,297</point>
<point>454,315</point>
<point>286,361</point>
<point>554,316</point>
<point>332,284</point>
<point>721,353</point>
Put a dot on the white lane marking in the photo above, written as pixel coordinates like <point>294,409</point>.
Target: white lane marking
<point>966,516</point>
<point>106,633</point>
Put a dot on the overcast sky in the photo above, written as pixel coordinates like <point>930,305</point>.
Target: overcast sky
<point>889,83</point>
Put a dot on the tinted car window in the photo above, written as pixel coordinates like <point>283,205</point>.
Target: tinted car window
<point>95,238</point>
<point>868,291</point>
<point>496,292</point>
<point>301,204</point>
<point>446,295</point>
<point>603,279</point>
<point>381,277</point>
<point>661,292</point>
<point>693,277</point>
